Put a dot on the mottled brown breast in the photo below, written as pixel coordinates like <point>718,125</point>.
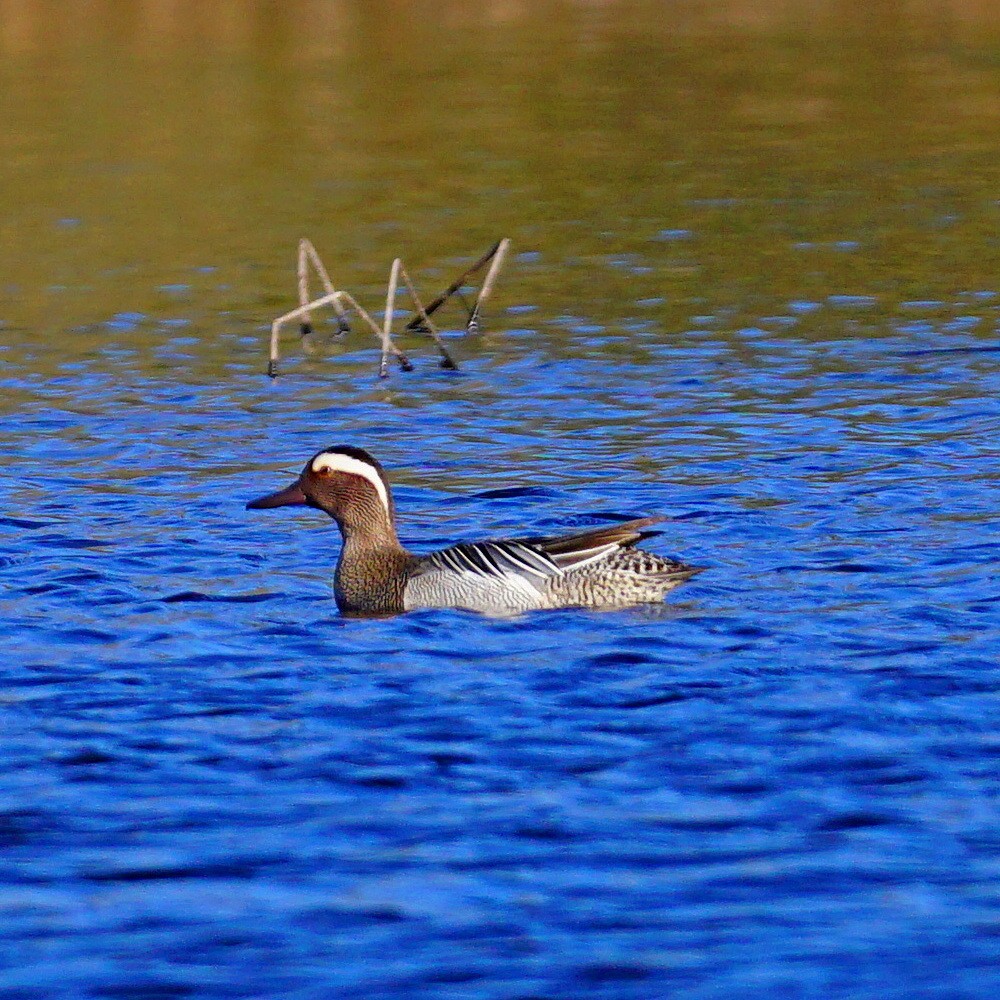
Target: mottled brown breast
<point>371,581</point>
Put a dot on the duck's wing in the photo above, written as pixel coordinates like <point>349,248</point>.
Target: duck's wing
<point>496,559</point>
<point>568,552</point>
<point>536,559</point>
<point>493,577</point>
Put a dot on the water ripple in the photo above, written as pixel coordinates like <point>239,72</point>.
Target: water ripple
<point>794,757</point>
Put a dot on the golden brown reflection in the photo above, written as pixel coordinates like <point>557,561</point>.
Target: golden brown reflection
<point>808,150</point>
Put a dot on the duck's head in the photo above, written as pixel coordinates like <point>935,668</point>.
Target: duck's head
<point>345,482</point>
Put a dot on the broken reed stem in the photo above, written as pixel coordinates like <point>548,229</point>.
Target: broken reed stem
<point>500,252</point>
<point>335,298</point>
<point>401,358</point>
<point>447,361</point>
<point>307,255</point>
<point>390,304</point>
<point>272,365</point>
<point>456,284</point>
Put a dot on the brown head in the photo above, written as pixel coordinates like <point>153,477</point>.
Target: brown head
<point>350,486</point>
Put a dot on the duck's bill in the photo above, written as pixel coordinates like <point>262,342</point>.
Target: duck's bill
<point>291,496</point>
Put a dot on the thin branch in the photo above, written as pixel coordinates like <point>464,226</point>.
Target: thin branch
<point>390,305</point>
<point>488,282</point>
<point>272,365</point>
<point>336,299</point>
<point>342,301</point>
<point>447,361</point>
<point>307,255</point>
<point>455,285</point>
<point>401,358</point>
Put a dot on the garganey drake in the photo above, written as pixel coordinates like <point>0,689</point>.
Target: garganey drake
<point>376,575</point>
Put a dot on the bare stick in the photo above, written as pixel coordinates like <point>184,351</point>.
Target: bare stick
<point>390,305</point>
<point>272,365</point>
<point>307,254</point>
<point>401,358</point>
<point>337,299</point>
<point>455,286</point>
<point>305,247</point>
<point>488,282</point>
<point>341,301</point>
<point>447,361</point>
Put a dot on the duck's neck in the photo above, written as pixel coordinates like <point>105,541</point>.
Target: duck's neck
<point>366,526</point>
<point>372,570</point>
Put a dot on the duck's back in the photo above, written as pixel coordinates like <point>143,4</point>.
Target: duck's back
<point>627,576</point>
<point>595,568</point>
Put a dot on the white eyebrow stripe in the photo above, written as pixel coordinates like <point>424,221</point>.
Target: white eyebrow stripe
<point>336,462</point>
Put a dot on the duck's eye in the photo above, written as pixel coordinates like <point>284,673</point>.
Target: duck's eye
<point>324,470</point>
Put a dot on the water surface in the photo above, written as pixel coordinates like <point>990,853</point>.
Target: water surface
<point>754,287</point>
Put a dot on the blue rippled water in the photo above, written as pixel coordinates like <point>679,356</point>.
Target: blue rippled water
<point>753,288</point>
<point>782,782</point>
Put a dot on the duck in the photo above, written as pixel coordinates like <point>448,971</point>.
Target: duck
<point>376,575</point>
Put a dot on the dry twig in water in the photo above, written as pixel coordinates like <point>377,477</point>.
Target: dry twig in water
<point>343,301</point>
